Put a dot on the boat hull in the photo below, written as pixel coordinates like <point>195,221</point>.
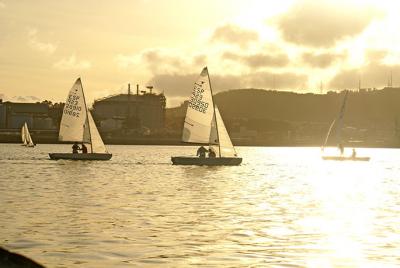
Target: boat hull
<point>72,156</point>
<point>346,158</point>
<point>197,161</point>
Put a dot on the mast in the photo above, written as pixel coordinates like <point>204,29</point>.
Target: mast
<point>87,117</point>
<point>215,116</point>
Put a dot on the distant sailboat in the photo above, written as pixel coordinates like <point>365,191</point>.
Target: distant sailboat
<point>26,136</point>
<point>337,125</point>
<point>203,125</point>
<point>77,125</point>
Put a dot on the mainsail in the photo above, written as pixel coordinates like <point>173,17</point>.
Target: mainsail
<point>200,112</point>
<point>29,141</point>
<point>26,136</point>
<point>23,136</point>
<point>337,124</point>
<point>74,126</point>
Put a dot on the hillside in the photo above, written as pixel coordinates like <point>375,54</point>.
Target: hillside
<point>269,117</point>
<point>365,107</point>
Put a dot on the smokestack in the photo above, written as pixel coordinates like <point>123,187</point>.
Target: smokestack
<point>129,89</point>
<point>137,89</point>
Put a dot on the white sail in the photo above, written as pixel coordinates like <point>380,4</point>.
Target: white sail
<point>97,143</point>
<point>23,137</point>
<point>337,124</point>
<point>225,143</point>
<point>200,112</point>
<point>329,133</point>
<point>28,138</point>
<point>74,126</point>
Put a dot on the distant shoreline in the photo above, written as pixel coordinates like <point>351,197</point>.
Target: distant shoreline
<point>51,137</point>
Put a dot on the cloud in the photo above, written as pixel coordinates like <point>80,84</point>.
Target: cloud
<point>260,60</point>
<point>181,85</point>
<point>174,84</point>
<point>25,99</point>
<point>322,23</point>
<point>126,61</point>
<point>375,56</point>
<point>320,60</point>
<point>374,74</point>
<point>20,98</point>
<point>234,35</point>
<point>160,61</point>
<point>36,44</point>
<point>71,63</point>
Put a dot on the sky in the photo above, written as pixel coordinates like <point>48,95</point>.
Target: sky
<point>296,45</point>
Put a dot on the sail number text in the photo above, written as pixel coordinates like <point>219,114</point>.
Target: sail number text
<point>195,101</point>
<point>71,107</point>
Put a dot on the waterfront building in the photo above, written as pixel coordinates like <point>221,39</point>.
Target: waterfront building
<point>143,110</point>
<point>13,115</point>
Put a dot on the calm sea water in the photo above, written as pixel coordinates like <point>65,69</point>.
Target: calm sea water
<point>283,207</point>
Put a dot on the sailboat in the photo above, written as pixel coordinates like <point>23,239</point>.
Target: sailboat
<point>77,125</point>
<point>337,125</point>
<point>26,136</point>
<point>203,125</point>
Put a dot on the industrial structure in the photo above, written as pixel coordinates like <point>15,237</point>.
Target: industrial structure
<point>143,112</point>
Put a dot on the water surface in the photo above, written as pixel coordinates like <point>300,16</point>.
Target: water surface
<point>283,207</point>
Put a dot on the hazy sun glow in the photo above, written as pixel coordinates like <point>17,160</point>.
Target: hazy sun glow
<point>345,200</point>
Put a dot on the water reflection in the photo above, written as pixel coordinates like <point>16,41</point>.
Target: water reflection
<point>283,207</point>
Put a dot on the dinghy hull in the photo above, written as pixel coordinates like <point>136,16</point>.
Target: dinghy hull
<point>345,158</point>
<point>71,156</point>
<point>197,161</point>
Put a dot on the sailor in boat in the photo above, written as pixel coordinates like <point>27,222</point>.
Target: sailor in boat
<point>354,153</point>
<point>201,152</point>
<point>84,149</point>
<point>75,148</point>
<point>341,148</point>
<point>211,153</point>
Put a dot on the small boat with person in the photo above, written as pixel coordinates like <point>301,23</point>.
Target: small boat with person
<point>77,126</point>
<point>203,125</point>
<point>346,158</point>
<point>26,136</point>
<point>337,126</point>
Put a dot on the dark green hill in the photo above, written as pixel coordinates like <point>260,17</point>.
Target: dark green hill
<point>365,107</point>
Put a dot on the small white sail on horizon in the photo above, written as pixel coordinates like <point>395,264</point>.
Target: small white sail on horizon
<point>337,124</point>
<point>26,136</point>
<point>23,136</point>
